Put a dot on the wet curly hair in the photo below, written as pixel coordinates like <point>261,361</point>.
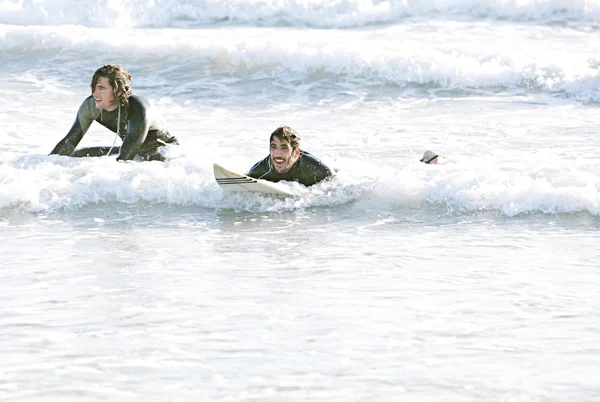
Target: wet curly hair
<point>288,134</point>
<point>118,78</point>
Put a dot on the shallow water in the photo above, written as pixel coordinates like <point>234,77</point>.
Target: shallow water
<point>472,280</point>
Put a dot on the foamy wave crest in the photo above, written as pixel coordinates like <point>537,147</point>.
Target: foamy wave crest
<point>421,61</point>
<point>313,13</point>
<point>463,189</point>
<point>41,184</point>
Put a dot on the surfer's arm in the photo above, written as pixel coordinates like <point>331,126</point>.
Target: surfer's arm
<point>85,117</point>
<point>324,172</point>
<point>137,131</point>
<point>313,170</point>
<point>316,175</point>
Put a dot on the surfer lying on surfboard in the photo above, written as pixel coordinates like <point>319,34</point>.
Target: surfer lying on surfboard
<point>287,161</point>
<point>131,117</point>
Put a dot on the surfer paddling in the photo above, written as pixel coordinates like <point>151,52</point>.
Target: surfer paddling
<point>287,161</point>
<point>131,117</point>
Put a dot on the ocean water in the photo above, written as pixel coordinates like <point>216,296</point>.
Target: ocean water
<point>473,280</point>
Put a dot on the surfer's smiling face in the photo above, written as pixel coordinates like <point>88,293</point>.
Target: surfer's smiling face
<point>104,95</point>
<point>283,156</point>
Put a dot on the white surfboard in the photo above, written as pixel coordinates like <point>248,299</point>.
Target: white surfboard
<point>232,181</point>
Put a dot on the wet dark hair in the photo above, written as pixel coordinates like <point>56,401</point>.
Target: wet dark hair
<point>288,134</point>
<point>118,78</point>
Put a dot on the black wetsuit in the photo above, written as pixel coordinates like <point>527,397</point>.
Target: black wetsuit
<point>142,130</point>
<point>307,170</point>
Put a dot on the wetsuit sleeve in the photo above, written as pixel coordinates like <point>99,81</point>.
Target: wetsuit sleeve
<point>85,117</point>
<point>322,172</point>
<point>137,130</point>
<point>313,170</point>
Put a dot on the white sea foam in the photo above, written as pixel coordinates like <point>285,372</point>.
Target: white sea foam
<point>314,13</point>
<point>43,184</point>
<point>431,56</point>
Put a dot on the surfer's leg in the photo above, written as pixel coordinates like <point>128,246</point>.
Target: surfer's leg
<point>154,157</point>
<point>151,152</point>
<point>95,151</point>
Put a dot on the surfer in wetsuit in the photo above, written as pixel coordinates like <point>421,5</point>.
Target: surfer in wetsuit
<point>131,117</point>
<point>287,161</point>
